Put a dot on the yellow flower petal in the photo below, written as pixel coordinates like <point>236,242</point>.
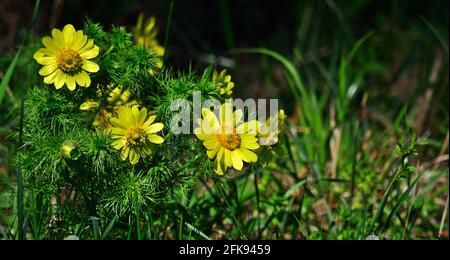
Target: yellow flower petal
<point>150,120</point>
<point>228,161</point>
<point>124,154</point>
<point>60,79</point>
<point>213,152</point>
<point>46,60</point>
<point>58,38</point>
<point>219,164</point>
<point>126,116</point>
<point>118,123</point>
<point>51,78</point>
<point>118,144</point>
<point>42,59</point>
<point>134,157</point>
<point>135,112</point>
<point>49,44</point>
<point>156,139</point>
<point>79,40</point>
<point>241,155</point>
<point>90,66</point>
<point>249,156</point>
<point>154,128</point>
<point>226,112</point>
<point>248,138</point>
<point>211,143</point>
<point>199,135</point>
<point>142,116</point>
<point>81,78</point>
<point>89,105</point>
<point>89,44</point>
<point>47,69</point>
<point>250,145</point>
<point>237,116</point>
<point>237,161</point>
<point>89,54</point>
<point>70,82</point>
<point>38,55</point>
<point>46,51</point>
<point>87,79</point>
<point>131,156</point>
<point>68,32</point>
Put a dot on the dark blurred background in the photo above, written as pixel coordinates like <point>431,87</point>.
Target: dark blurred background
<point>215,26</point>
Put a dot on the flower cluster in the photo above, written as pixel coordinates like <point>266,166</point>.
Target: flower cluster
<point>66,60</point>
<point>228,140</point>
<point>116,97</point>
<point>146,35</point>
<point>223,82</point>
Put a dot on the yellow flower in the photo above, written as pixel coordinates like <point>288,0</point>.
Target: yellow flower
<point>268,132</point>
<point>116,97</point>
<point>66,58</point>
<point>133,131</point>
<point>146,35</point>
<point>228,139</point>
<point>223,82</point>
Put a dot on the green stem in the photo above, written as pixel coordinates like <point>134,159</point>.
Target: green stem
<point>19,179</point>
<point>257,204</point>
<point>166,36</point>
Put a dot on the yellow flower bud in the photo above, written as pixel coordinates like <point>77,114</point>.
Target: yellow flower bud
<point>70,149</point>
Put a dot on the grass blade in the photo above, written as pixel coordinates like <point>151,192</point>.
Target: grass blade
<point>197,231</point>
<point>35,12</point>
<point>109,228</point>
<point>436,33</point>
<point>166,36</point>
<point>294,188</point>
<point>8,75</point>
<point>95,227</point>
<point>290,68</point>
<point>19,179</point>
<point>401,200</point>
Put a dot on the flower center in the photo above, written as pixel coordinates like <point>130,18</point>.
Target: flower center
<point>229,141</point>
<point>68,61</point>
<point>136,136</point>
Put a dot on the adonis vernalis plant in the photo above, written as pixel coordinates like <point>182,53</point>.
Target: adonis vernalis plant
<point>110,145</point>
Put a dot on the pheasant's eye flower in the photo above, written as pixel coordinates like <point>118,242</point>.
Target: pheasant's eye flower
<point>66,58</point>
<point>133,132</point>
<point>116,97</point>
<point>146,34</point>
<point>268,132</point>
<point>103,117</point>
<point>228,139</point>
<point>223,82</point>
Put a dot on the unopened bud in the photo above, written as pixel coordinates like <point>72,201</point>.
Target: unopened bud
<point>70,150</point>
